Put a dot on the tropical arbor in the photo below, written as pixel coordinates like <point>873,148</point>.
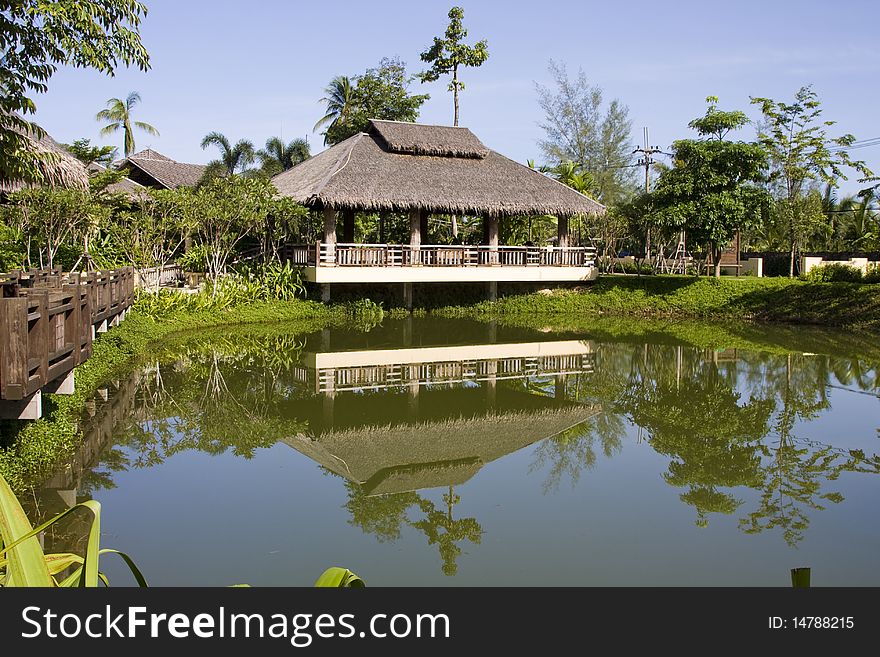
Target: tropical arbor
<point>448,54</point>
<point>337,103</point>
<point>233,158</point>
<point>278,156</point>
<point>379,93</point>
<point>117,114</point>
<point>802,156</point>
<point>712,190</point>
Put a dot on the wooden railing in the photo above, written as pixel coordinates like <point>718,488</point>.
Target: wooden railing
<point>167,275</point>
<point>48,320</point>
<point>435,255</point>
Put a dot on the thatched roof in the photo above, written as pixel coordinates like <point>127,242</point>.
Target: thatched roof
<point>152,169</point>
<point>398,458</point>
<point>60,169</point>
<point>439,169</point>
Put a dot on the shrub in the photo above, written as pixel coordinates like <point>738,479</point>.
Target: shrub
<point>834,273</point>
<point>873,275</point>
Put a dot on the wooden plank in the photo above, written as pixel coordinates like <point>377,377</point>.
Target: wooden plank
<point>14,365</point>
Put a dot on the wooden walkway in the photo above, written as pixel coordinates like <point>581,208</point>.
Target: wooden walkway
<point>48,321</point>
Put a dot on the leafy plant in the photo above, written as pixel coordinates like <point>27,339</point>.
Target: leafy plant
<point>336,577</point>
<point>23,562</point>
<point>834,273</point>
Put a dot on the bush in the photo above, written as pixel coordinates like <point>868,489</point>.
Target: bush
<point>195,259</point>
<point>271,282</point>
<point>834,273</point>
<point>873,275</point>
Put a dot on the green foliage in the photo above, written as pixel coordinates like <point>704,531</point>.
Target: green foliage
<point>577,130</point>
<point>48,218</point>
<point>35,38</point>
<point>117,115</point>
<point>380,93</point>
<point>801,155</point>
<point>446,55</point>
<point>337,104</point>
<point>250,284</point>
<point>712,191</point>
<point>683,297</point>
<point>873,275</point>
<point>23,563</point>
<point>195,259</point>
<point>339,578</point>
<point>83,151</point>
<point>233,158</point>
<point>278,156</point>
<point>12,247</point>
<point>365,312</point>
<point>834,273</point>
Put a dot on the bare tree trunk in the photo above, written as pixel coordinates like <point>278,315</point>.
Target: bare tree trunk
<point>455,92</point>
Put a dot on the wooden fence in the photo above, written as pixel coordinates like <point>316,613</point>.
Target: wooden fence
<point>48,320</point>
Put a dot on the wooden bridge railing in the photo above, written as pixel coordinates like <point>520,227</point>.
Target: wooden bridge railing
<point>437,255</point>
<point>48,320</point>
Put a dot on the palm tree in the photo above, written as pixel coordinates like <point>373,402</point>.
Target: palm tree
<point>231,157</point>
<point>118,115</point>
<point>338,102</point>
<point>278,157</point>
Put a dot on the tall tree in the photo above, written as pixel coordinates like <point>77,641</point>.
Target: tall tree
<point>802,155</point>
<point>35,38</point>
<point>712,191</point>
<point>232,158</point>
<point>380,93</point>
<point>578,130</point>
<point>278,156</point>
<point>118,115</point>
<point>337,103</point>
<point>449,54</point>
<point>83,151</point>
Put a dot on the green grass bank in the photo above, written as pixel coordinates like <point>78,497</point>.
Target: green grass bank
<point>779,300</point>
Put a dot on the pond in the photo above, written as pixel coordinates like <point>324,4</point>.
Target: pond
<point>450,452</point>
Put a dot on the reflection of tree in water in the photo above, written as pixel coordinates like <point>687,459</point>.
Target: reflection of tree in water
<point>212,396</point>
<point>385,515</point>
<point>709,436</point>
<point>725,424</point>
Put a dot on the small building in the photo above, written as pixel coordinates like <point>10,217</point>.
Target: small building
<point>423,170</point>
<point>150,168</point>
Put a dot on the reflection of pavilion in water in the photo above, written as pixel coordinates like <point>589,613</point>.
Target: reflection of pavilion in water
<point>396,420</point>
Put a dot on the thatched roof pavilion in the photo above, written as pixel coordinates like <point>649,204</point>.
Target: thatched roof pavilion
<point>60,169</point>
<point>423,170</point>
<point>400,167</point>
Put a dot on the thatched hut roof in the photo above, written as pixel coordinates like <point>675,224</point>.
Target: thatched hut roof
<point>152,169</point>
<point>398,458</point>
<point>60,169</point>
<point>440,169</point>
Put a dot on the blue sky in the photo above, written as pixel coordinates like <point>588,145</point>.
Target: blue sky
<point>256,69</point>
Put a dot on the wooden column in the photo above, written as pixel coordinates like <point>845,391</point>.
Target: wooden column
<point>493,240</point>
<point>562,232</point>
<point>330,235</point>
<point>348,226</point>
<point>415,235</point>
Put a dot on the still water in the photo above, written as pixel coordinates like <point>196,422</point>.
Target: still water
<point>450,452</point>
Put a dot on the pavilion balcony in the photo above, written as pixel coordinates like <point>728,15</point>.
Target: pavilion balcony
<point>405,263</point>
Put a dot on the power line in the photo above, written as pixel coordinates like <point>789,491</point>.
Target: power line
<point>646,160</point>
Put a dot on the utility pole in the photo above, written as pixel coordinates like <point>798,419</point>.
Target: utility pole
<point>646,160</point>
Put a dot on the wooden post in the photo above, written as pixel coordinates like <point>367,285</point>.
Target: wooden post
<point>415,235</point>
<point>562,232</point>
<point>348,225</point>
<point>493,240</point>
<point>38,336</point>
<point>13,348</point>
<point>330,234</point>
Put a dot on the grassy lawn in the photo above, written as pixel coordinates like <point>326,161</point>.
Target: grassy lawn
<point>850,305</point>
